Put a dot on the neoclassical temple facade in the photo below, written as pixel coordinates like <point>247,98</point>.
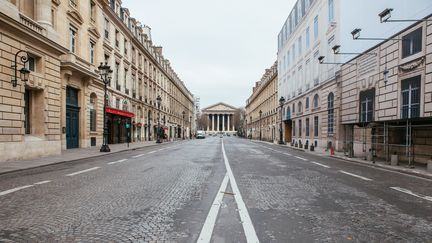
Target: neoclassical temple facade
<point>220,118</point>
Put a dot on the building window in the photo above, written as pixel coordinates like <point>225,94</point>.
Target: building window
<point>27,97</point>
<point>31,64</point>
<point>293,128</point>
<point>92,10</point>
<point>411,97</point>
<point>92,108</point>
<point>299,107</point>
<point>307,103</point>
<point>300,45</point>
<point>72,39</point>
<point>307,38</point>
<point>117,38</point>
<point>316,27</point>
<point>117,80</point>
<point>412,43</point>
<point>125,80</point>
<point>92,52</point>
<point>107,29</point>
<point>117,103</point>
<point>330,113</point>
<point>307,127</point>
<point>315,101</point>
<point>330,10</point>
<point>300,128</point>
<point>315,126</point>
<point>125,47</point>
<point>367,105</point>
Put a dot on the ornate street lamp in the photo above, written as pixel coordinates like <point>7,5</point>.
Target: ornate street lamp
<point>24,72</point>
<point>105,74</point>
<point>260,113</point>
<point>281,103</point>
<point>183,122</point>
<point>159,101</point>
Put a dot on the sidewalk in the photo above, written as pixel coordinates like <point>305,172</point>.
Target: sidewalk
<point>69,155</point>
<point>417,171</point>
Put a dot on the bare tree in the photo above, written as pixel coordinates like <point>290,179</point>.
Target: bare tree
<point>202,122</point>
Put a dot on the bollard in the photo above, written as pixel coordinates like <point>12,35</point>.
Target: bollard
<point>429,165</point>
<point>332,152</point>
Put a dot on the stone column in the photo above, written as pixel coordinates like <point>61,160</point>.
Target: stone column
<point>223,122</point>
<point>228,122</point>
<point>218,118</point>
<point>43,13</point>
<point>208,124</point>
<point>212,122</point>
<point>233,127</point>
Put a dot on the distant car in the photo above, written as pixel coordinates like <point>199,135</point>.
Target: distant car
<point>200,134</point>
<point>228,134</point>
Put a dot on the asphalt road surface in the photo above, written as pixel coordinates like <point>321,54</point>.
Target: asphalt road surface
<point>214,190</point>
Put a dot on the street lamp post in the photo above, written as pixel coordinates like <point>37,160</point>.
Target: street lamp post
<point>183,113</point>
<point>190,127</point>
<point>281,103</point>
<point>24,72</point>
<point>260,113</point>
<point>158,100</point>
<point>105,74</point>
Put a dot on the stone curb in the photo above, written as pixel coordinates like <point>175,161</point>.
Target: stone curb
<point>400,170</point>
<point>74,160</point>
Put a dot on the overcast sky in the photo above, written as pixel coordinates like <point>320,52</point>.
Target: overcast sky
<point>219,48</point>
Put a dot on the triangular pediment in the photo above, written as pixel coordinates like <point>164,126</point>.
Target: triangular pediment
<point>220,107</point>
<point>94,32</point>
<point>76,16</point>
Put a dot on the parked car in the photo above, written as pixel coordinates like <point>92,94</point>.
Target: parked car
<point>200,134</point>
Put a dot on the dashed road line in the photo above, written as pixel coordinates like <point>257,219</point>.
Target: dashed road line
<point>151,152</point>
<point>409,192</point>
<point>116,162</point>
<point>248,227</point>
<point>42,182</point>
<point>207,229</point>
<point>83,171</point>
<point>301,158</point>
<point>287,154</point>
<point>14,189</point>
<point>351,174</point>
<point>325,166</point>
<point>137,156</point>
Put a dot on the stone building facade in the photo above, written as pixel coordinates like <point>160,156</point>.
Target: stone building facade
<point>61,106</point>
<point>220,118</point>
<point>387,98</point>
<point>262,112</point>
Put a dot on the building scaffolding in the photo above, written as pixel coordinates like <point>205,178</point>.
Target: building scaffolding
<point>407,141</point>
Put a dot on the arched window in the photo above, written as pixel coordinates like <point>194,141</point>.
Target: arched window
<point>288,112</point>
<point>330,113</point>
<point>93,108</point>
<point>307,103</point>
<point>315,101</point>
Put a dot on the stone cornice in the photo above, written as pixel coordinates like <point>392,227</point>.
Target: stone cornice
<point>13,26</point>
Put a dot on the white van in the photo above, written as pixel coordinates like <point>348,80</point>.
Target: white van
<point>200,134</point>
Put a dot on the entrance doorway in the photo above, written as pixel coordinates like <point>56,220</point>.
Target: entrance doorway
<point>72,118</point>
<point>288,131</point>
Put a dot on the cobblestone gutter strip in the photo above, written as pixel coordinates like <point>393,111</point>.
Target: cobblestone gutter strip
<point>370,164</point>
<point>73,160</point>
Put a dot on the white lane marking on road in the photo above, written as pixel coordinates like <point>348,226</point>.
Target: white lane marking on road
<point>137,156</point>
<point>287,154</point>
<point>116,162</point>
<point>14,189</point>
<point>207,229</point>
<point>83,171</point>
<point>160,149</point>
<point>42,182</point>
<point>300,158</point>
<point>351,174</point>
<point>325,166</point>
<point>151,152</point>
<point>248,227</point>
<point>412,193</point>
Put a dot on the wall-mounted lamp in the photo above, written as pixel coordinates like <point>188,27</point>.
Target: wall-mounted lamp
<point>24,72</point>
<point>385,16</point>
<point>336,51</point>
<point>321,61</point>
<point>356,36</point>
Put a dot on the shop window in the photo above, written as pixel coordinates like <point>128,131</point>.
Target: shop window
<point>316,126</point>
<point>34,117</point>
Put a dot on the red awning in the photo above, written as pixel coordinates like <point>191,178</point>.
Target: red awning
<point>119,112</point>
